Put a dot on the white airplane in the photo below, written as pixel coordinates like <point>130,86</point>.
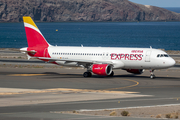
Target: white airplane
<point>98,60</point>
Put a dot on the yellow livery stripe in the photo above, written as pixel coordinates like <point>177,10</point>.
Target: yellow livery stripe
<point>28,20</point>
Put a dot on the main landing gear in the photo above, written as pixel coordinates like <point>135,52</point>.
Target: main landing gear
<point>87,74</point>
<point>152,76</point>
<point>112,74</point>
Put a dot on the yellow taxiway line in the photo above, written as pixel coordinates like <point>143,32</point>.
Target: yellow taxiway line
<point>136,84</point>
<point>109,90</point>
<point>26,74</point>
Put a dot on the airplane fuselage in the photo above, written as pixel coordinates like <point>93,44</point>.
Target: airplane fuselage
<point>120,58</point>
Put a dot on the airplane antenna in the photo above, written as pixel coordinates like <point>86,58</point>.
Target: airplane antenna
<point>150,47</point>
<point>81,45</point>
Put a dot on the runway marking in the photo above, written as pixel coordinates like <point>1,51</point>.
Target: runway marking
<point>177,98</point>
<point>165,105</point>
<point>26,74</point>
<point>137,83</point>
<point>130,100</point>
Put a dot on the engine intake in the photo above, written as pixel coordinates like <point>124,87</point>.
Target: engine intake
<point>101,69</point>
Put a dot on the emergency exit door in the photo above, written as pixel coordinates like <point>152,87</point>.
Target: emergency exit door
<point>148,56</point>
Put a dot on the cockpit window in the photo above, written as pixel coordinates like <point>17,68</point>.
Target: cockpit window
<point>162,55</point>
<point>165,55</point>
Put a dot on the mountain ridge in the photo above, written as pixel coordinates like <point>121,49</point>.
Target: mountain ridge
<point>82,10</point>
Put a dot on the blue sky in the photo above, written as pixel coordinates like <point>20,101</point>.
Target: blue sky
<point>159,3</point>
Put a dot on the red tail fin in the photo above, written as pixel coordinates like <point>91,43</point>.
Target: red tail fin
<point>33,34</point>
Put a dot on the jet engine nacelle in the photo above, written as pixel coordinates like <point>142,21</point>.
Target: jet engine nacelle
<point>135,71</point>
<point>101,69</point>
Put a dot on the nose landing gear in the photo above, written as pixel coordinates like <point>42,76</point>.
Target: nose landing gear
<point>152,76</point>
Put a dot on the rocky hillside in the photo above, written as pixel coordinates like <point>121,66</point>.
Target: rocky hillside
<point>82,10</point>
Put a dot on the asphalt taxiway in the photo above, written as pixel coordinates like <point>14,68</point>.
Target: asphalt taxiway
<point>42,93</point>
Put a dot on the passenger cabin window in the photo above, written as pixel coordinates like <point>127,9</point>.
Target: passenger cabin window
<point>90,54</point>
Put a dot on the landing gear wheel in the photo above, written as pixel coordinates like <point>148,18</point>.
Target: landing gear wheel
<point>90,74</point>
<point>152,76</point>
<point>87,74</point>
<point>112,74</point>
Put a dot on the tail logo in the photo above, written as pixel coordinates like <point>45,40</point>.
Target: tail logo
<point>33,34</point>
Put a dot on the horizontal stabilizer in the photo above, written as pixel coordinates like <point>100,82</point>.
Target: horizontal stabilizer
<point>33,51</point>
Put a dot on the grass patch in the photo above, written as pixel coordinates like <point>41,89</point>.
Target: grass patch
<point>113,113</point>
<point>125,113</point>
<point>74,111</point>
<point>176,117</point>
<point>159,116</point>
<point>169,116</point>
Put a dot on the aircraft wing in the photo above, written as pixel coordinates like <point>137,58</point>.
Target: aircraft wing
<point>76,60</point>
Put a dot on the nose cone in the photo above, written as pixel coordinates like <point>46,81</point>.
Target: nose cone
<point>171,62</point>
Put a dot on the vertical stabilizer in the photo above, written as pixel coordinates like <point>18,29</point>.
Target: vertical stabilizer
<point>33,34</point>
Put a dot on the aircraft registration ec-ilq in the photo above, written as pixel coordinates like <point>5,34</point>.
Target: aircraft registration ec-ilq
<point>97,60</point>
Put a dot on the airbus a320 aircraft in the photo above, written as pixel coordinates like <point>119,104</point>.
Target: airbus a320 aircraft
<point>97,60</point>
